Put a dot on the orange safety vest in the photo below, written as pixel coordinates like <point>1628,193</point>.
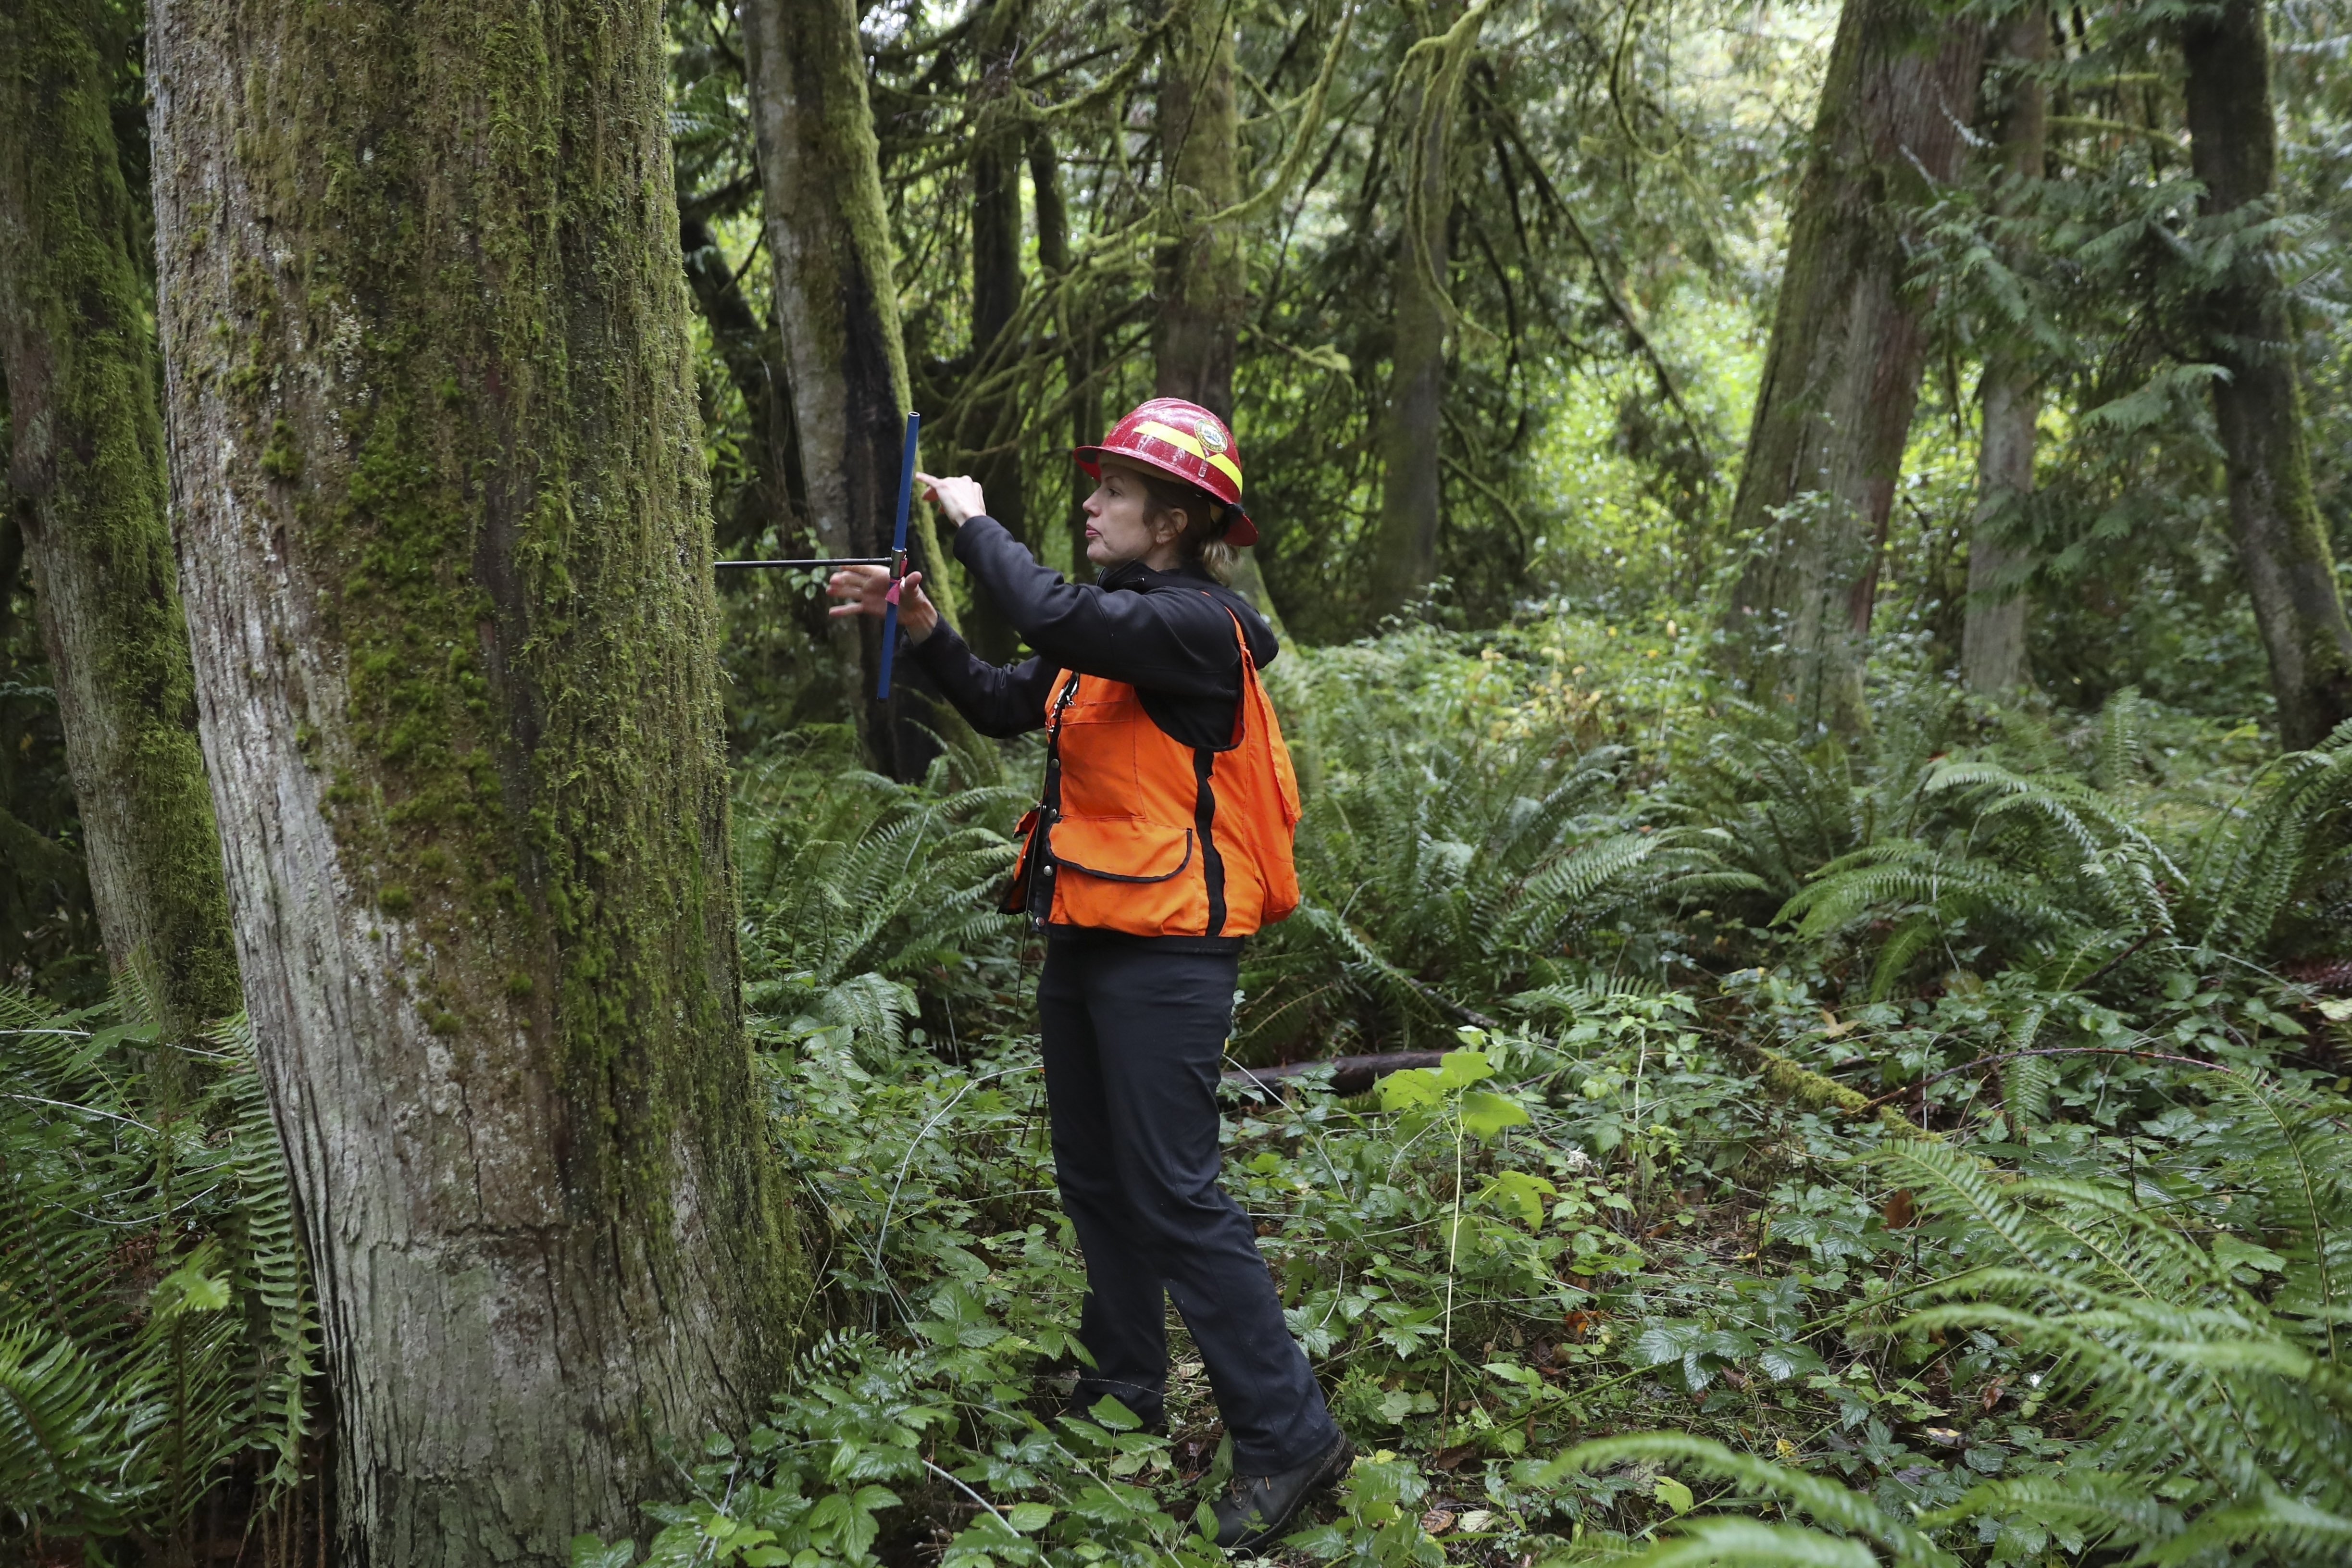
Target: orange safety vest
<point>1140,833</point>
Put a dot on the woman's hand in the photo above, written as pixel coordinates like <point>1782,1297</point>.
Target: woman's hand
<point>866,591</point>
<point>959,498</point>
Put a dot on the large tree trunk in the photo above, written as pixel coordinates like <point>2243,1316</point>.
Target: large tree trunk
<point>1404,546</point>
<point>1841,374</point>
<point>443,534</point>
<point>1992,639</point>
<point>1204,284</point>
<point>2281,548</point>
<point>1074,323</point>
<point>836,305</point>
<point>87,477</point>
<point>992,425</point>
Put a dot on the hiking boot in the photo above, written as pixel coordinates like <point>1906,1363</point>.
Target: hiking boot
<point>1255,1510</point>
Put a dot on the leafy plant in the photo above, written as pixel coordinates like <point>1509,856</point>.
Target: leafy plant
<point>2204,1366</point>
<point>155,1319</point>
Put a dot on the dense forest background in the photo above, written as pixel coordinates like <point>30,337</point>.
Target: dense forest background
<point>1817,1031</point>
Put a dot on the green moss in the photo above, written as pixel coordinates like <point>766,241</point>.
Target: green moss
<point>280,459</point>
<point>126,690</point>
<point>506,539</point>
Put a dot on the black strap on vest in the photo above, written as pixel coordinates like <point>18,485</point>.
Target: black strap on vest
<point>1049,810</point>
<point>1204,827</point>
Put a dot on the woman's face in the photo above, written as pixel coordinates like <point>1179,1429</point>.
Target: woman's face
<point>1116,533</point>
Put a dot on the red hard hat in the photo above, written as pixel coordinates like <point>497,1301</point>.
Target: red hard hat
<point>1185,441</point>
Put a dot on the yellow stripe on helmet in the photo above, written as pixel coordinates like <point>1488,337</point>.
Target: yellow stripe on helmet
<point>1173,437</point>
<point>1185,441</point>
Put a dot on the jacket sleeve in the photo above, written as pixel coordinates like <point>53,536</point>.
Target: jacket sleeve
<point>998,700</point>
<point>1178,643</point>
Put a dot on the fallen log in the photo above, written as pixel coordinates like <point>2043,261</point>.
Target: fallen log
<point>1350,1075</point>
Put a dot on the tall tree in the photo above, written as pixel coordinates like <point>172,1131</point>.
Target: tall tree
<point>1993,637</point>
<point>1411,424</point>
<point>991,426</point>
<point>1080,336</point>
<point>836,301</point>
<point>1203,282</point>
<point>748,347</point>
<point>438,488</point>
<point>1841,372</point>
<point>2258,404</point>
<point>87,477</point>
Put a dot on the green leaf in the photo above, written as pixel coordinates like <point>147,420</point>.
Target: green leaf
<point>1029,1517</point>
<point>1673,1493</point>
<point>2233,1253</point>
<point>1522,1191</point>
<point>1487,1114</point>
<point>1459,1069</point>
<point>588,1551</point>
<point>188,1289</point>
<point>1409,1086</point>
<point>1108,1412</point>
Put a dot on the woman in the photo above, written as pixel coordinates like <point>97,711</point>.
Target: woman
<point>1162,840</point>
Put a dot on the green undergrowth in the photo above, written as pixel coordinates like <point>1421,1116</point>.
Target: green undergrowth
<point>1598,1286</point>
<point>1563,1236</point>
<point>1928,1148</point>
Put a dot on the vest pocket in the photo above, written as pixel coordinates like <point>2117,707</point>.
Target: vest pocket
<point>1121,848</point>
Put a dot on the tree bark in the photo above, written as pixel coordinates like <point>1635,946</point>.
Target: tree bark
<point>992,426</point>
<point>754,357</point>
<point>2258,405</point>
<point>1203,285</point>
<point>87,477</point>
<point>443,536</point>
<point>836,305</point>
<point>1993,637</point>
<point>1404,549</point>
<point>1841,372</point>
<point>1074,323</point>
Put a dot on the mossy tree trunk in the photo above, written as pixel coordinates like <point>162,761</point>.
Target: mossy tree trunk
<point>992,426</point>
<point>2258,405</point>
<point>1993,637</point>
<point>1411,424</point>
<point>1841,372</point>
<point>837,304</point>
<point>87,479</point>
<point>753,356</point>
<point>440,504</point>
<point>1203,282</point>
<point>1075,325</point>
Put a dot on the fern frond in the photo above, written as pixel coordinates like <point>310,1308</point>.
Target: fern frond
<point>2101,1505</point>
<point>61,1431</point>
<point>1733,1540</point>
<point>2277,1524</point>
<point>1817,1496</point>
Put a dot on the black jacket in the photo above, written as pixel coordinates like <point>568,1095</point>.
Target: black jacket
<point>1167,633</point>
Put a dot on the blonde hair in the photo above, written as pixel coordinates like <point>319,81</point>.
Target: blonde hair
<point>1207,518</point>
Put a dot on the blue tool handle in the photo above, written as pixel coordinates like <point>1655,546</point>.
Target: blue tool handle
<point>897,555</point>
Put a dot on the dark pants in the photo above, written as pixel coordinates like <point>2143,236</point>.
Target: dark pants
<point>1134,1039</point>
